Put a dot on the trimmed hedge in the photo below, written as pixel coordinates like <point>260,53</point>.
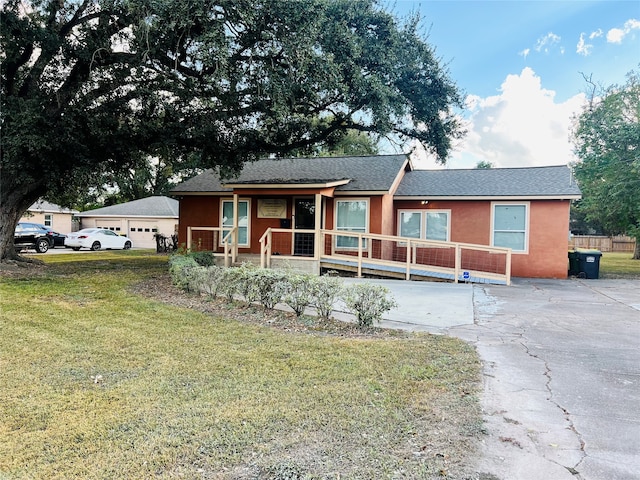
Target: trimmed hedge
<point>270,287</point>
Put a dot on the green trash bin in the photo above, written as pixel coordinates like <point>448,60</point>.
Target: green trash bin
<point>589,263</point>
<point>574,267</point>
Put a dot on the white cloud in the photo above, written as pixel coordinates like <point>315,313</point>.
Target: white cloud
<point>596,34</point>
<point>522,126</point>
<point>545,44</point>
<point>583,48</point>
<point>616,35</point>
<point>524,53</point>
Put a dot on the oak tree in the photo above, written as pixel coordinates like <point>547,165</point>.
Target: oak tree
<point>94,87</point>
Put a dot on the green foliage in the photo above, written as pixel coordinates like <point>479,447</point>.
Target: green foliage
<point>205,259</point>
<point>298,293</point>
<point>607,141</point>
<point>91,91</point>
<point>325,290</point>
<point>180,269</point>
<point>368,302</point>
<point>268,286</point>
<point>484,165</point>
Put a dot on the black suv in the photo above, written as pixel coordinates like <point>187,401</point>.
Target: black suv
<point>33,235</point>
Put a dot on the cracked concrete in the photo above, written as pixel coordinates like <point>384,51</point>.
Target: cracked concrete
<point>561,378</point>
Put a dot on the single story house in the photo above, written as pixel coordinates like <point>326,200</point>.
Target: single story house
<point>139,220</point>
<point>57,218</point>
<point>383,213</point>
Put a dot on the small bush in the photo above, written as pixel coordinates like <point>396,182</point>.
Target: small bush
<point>205,259</point>
<point>368,302</point>
<point>229,283</point>
<point>245,278</point>
<point>212,281</point>
<point>298,293</point>
<point>268,286</point>
<point>325,291</point>
<point>179,270</point>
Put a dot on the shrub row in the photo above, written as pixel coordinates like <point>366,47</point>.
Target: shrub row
<point>269,287</point>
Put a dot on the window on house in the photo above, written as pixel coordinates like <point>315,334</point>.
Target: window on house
<point>436,224</point>
<point>243,220</point>
<point>410,224</point>
<point>351,216</point>
<point>510,226</point>
<point>48,220</point>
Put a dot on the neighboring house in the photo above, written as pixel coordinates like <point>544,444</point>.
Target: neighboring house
<point>51,215</point>
<point>339,208</point>
<point>139,220</point>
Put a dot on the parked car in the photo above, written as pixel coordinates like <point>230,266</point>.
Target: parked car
<point>96,239</point>
<point>58,238</point>
<point>33,236</point>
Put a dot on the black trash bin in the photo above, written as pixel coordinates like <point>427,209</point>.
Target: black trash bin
<point>589,263</point>
<point>574,267</point>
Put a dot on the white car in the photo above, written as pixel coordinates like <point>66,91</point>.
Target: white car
<point>95,239</point>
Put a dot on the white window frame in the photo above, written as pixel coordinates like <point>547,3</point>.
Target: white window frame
<point>48,220</point>
<point>228,227</point>
<point>366,222</point>
<point>423,222</point>
<point>527,209</point>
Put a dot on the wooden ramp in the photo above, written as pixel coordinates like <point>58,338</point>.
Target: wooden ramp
<point>400,272</point>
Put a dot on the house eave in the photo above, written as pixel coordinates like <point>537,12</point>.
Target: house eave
<point>488,197</point>
<point>127,216</point>
<point>288,186</point>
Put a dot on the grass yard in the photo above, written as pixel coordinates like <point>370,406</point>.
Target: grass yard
<point>100,382</point>
<point>619,265</point>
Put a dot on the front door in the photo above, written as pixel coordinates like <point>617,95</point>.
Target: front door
<point>304,219</point>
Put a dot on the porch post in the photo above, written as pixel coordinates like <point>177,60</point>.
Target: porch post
<point>234,248</point>
<point>316,235</point>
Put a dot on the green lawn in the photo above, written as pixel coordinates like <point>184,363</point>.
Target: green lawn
<point>98,382</point>
<point>619,265</point>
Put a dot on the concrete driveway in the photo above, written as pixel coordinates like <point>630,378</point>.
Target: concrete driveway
<point>561,378</point>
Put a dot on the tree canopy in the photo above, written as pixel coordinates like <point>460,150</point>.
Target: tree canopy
<point>607,142</point>
<point>95,87</point>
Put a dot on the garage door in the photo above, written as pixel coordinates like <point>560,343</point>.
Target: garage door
<point>113,225</point>
<point>141,233</point>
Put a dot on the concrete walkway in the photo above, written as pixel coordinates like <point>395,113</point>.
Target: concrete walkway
<point>423,306</point>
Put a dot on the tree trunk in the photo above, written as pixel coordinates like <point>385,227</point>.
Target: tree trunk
<point>636,253</point>
<point>14,202</point>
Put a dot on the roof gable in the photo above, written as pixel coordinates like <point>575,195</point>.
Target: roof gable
<point>158,206</point>
<point>374,173</point>
<point>551,182</point>
<point>43,206</point>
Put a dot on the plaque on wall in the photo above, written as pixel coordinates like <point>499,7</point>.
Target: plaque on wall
<point>272,208</point>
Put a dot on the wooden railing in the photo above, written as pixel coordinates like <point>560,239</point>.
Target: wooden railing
<point>280,241</point>
<point>211,243</point>
<point>402,255</point>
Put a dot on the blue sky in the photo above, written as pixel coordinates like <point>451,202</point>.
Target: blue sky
<point>521,65</point>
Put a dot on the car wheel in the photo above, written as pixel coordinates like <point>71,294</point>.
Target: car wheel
<point>95,246</point>
<point>75,249</point>
<point>127,245</point>
<point>42,245</point>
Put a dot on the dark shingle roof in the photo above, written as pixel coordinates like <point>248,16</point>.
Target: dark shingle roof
<point>145,207</point>
<point>44,206</point>
<point>556,181</point>
<point>366,173</point>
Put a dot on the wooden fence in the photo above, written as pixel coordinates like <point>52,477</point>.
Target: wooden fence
<point>618,243</point>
